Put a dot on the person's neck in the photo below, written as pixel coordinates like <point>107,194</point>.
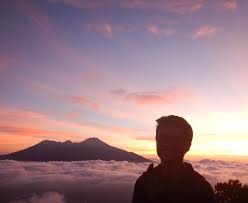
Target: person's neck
<point>177,163</point>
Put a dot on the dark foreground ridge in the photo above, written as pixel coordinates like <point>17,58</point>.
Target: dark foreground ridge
<point>89,149</point>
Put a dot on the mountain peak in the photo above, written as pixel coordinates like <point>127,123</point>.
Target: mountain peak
<point>90,149</point>
<point>68,142</point>
<point>93,141</point>
<point>46,142</point>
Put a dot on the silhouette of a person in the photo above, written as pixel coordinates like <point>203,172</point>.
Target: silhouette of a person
<point>173,180</point>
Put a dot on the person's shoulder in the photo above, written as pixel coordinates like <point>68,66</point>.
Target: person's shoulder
<point>191,171</point>
<point>197,178</point>
<point>143,185</point>
<point>148,174</point>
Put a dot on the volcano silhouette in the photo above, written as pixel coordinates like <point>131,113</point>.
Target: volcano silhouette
<point>89,149</point>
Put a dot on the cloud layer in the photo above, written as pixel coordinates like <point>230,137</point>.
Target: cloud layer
<point>43,198</point>
<point>91,181</point>
<point>169,96</point>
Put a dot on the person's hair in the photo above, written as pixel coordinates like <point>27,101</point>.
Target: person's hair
<point>177,121</point>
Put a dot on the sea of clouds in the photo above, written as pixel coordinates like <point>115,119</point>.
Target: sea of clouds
<point>91,181</point>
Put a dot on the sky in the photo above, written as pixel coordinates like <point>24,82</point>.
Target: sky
<point>74,69</point>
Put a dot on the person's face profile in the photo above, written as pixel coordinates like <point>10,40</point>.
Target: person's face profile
<point>171,143</point>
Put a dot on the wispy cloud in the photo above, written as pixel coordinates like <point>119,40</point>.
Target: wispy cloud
<point>83,3</point>
<point>22,118</point>
<point>26,124</point>
<point>140,98</point>
<point>152,97</point>
<point>49,30</point>
<point>180,6</point>
<point>86,102</point>
<point>38,17</point>
<point>99,108</point>
<point>12,115</point>
<point>105,28</point>
<point>229,5</point>
<point>30,131</point>
<point>108,29</point>
<point>92,71</point>
<point>5,62</point>
<point>157,31</point>
<point>205,31</point>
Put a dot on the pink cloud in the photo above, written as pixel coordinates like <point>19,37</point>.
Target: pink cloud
<point>180,6</point>
<point>205,31</point>
<point>162,21</point>
<point>29,127</point>
<point>33,132</point>
<point>145,98</point>
<point>32,124</point>
<point>46,25</point>
<point>86,102</point>
<point>14,127</point>
<point>83,3</point>
<point>49,30</point>
<point>160,32</point>
<point>12,115</point>
<point>229,5</point>
<point>72,115</point>
<point>23,118</point>
<point>93,71</point>
<point>174,6</point>
<point>37,16</point>
<point>5,62</point>
<point>152,97</point>
<point>101,109</point>
<point>108,30</point>
<point>105,29</point>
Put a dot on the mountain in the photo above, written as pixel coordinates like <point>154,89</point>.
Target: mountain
<point>89,149</point>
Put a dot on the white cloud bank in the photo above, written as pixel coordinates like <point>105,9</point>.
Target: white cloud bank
<point>91,181</point>
<point>53,197</point>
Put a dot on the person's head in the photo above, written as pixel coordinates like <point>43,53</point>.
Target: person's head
<point>173,137</point>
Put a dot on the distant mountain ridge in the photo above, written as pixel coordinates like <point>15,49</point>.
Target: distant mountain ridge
<point>89,149</point>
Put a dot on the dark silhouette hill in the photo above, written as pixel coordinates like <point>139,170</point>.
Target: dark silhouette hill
<point>89,149</point>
